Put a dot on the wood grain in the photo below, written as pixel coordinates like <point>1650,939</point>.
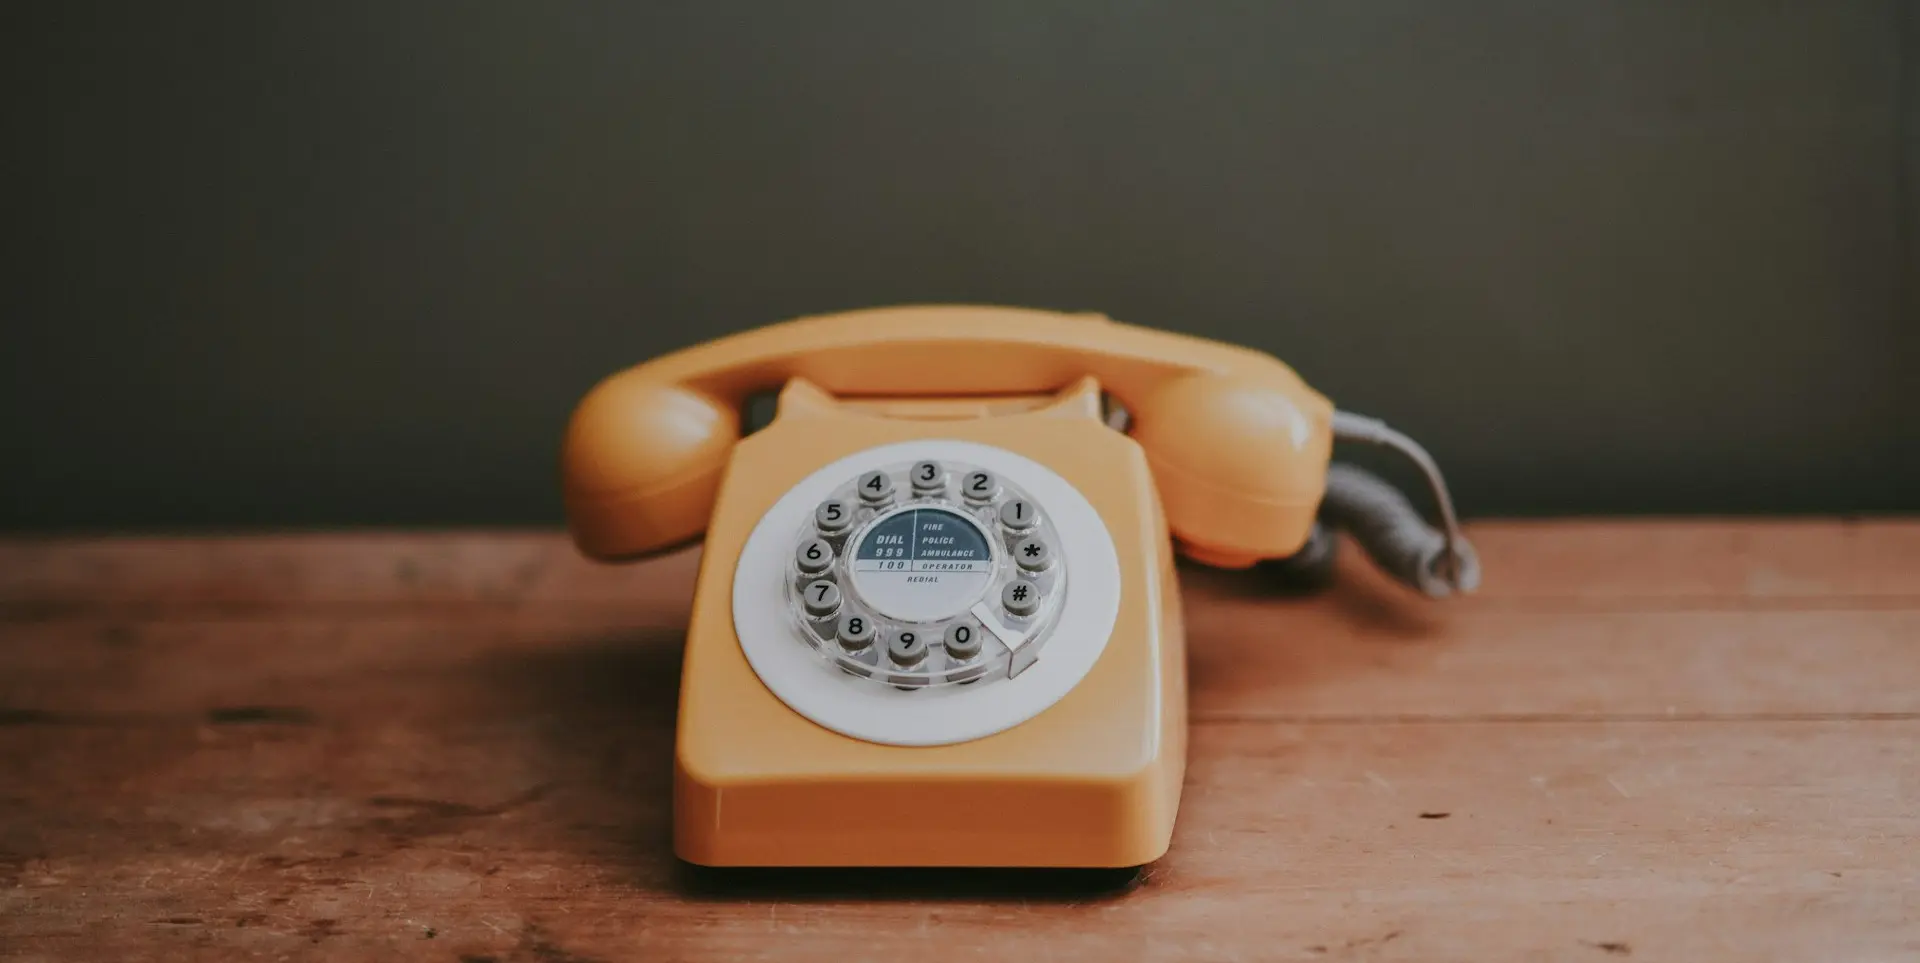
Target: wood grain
<point>1645,741</point>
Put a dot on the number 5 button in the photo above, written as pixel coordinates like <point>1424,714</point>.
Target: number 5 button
<point>833,517</point>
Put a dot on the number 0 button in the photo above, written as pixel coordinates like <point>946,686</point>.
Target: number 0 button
<point>813,556</point>
<point>963,640</point>
<point>821,598</point>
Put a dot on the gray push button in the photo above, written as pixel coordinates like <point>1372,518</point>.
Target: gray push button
<point>813,556</point>
<point>855,632</point>
<point>833,517</point>
<point>928,478</point>
<point>1020,597</point>
<point>876,487</point>
<point>907,648</point>
<point>1033,553</point>
<point>979,486</point>
<point>1018,515</point>
<point>963,640</point>
<point>821,598</point>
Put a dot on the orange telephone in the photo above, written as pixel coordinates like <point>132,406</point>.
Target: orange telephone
<point>937,621</point>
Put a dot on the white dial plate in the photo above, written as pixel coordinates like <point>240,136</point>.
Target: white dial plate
<point>856,707</point>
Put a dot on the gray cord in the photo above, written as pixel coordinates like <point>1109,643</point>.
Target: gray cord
<point>1438,563</point>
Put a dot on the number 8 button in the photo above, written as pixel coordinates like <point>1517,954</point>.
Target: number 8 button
<point>855,632</point>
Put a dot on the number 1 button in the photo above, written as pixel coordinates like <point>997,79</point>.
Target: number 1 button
<point>1018,515</point>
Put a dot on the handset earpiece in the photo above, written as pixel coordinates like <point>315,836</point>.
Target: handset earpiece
<point>642,462</point>
<point>1244,473</point>
<point>1240,462</point>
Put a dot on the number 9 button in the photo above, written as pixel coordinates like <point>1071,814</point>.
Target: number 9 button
<point>907,648</point>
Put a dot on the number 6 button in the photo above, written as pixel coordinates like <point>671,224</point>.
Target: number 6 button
<point>813,556</point>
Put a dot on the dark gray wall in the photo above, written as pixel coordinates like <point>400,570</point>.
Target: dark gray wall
<point>351,263</point>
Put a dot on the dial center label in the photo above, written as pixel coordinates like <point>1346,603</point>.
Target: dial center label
<point>921,563</point>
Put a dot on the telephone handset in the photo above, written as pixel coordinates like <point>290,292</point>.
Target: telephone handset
<point>936,620</point>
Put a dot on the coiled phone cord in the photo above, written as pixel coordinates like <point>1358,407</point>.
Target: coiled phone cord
<point>1387,526</point>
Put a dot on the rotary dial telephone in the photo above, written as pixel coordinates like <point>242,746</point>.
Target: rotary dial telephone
<point>936,620</point>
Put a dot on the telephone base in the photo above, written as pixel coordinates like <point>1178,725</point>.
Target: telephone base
<point>1093,782</point>
<point>1076,762</point>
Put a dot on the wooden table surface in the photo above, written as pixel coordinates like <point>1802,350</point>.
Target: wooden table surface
<point>1690,741</point>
